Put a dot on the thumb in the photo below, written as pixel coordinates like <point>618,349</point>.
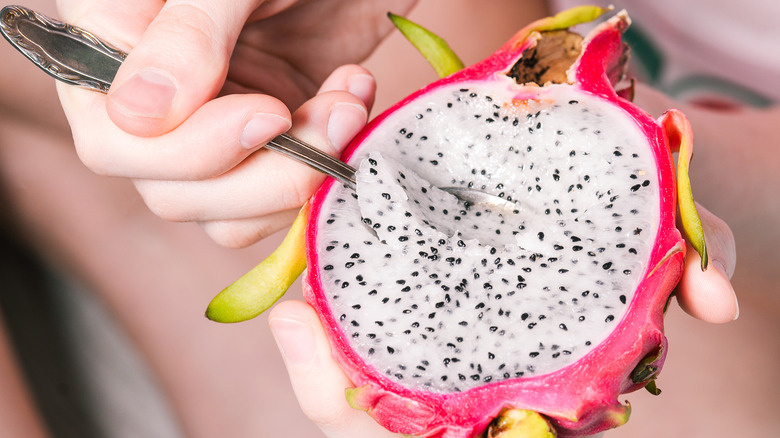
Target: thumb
<point>179,63</point>
<point>316,378</point>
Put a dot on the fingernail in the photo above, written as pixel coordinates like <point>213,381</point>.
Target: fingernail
<point>346,119</point>
<point>148,93</point>
<point>362,86</point>
<point>261,128</point>
<point>719,266</point>
<point>295,340</point>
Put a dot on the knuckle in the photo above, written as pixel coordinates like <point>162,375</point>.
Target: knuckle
<point>300,190</point>
<point>159,201</point>
<point>93,157</point>
<point>231,235</point>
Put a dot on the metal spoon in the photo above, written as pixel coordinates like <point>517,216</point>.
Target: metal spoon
<point>78,57</point>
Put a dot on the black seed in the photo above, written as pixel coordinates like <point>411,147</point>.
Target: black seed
<point>562,327</point>
<point>390,349</point>
<point>609,318</point>
<point>328,267</point>
<point>606,266</point>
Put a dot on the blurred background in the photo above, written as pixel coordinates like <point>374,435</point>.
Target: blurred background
<point>102,302</point>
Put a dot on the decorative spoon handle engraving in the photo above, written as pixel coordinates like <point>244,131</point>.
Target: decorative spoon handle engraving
<point>66,52</point>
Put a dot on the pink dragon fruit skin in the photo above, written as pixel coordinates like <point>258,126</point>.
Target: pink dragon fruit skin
<point>581,398</point>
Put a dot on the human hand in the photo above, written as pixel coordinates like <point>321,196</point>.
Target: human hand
<point>319,382</point>
<point>207,84</point>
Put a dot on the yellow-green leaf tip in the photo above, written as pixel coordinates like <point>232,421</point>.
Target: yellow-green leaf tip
<point>569,18</point>
<point>260,288</point>
<point>680,136</point>
<point>433,48</point>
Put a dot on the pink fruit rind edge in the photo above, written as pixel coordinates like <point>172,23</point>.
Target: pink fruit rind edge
<point>582,398</point>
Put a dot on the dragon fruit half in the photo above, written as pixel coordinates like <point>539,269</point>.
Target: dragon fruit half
<point>447,315</point>
<point>444,315</point>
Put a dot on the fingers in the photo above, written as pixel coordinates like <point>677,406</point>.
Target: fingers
<point>355,80</point>
<point>709,295</point>
<point>179,63</point>
<point>214,139</point>
<point>186,43</point>
<point>317,379</point>
<point>266,181</point>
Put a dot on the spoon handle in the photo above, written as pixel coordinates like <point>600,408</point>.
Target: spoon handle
<point>314,158</point>
<point>78,57</point>
<point>68,53</point>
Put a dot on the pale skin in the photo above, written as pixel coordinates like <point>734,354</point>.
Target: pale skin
<point>217,384</point>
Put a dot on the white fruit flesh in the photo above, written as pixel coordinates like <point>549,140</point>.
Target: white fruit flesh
<point>444,299</point>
